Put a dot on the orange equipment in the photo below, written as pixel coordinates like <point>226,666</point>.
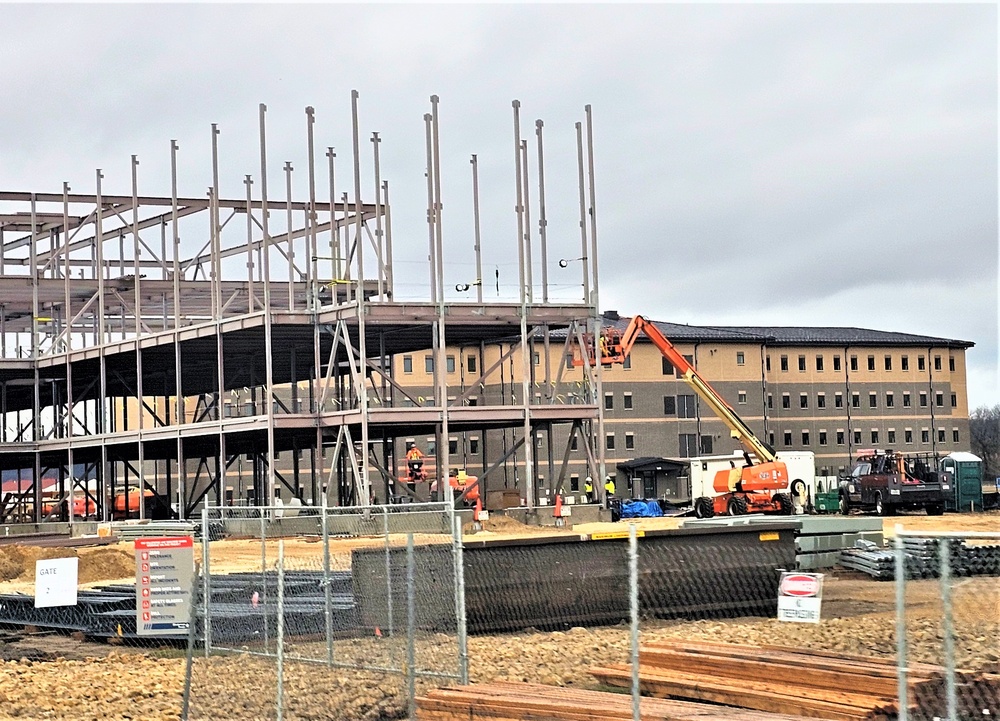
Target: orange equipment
<point>118,508</point>
<point>756,487</point>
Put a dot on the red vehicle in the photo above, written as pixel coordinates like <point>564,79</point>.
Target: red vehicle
<point>756,487</point>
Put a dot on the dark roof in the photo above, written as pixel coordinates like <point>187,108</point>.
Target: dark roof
<point>646,462</point>
<point>792,335</point>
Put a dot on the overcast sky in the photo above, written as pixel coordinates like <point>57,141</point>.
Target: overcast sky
<point>761,165</point>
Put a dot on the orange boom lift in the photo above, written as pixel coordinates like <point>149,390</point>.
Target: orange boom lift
<point>759,486</point>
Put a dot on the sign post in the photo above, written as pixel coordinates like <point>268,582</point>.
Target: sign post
<point>800,597</point>
<point>164,575</point>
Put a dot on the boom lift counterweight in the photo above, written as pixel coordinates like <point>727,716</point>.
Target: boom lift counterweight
<point>756,487</point>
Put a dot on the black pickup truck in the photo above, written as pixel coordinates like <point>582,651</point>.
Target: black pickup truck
<point>887,481</point>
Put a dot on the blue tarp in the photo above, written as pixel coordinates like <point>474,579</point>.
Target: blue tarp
<point>641,509</point>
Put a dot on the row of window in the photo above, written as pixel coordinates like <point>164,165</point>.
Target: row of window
<point>875,437</point>
<point>904,362</point>
<point>838,400</point>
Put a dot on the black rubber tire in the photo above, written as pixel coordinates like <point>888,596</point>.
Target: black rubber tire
<point>881,508</point>
<point>704,508</point>
<point>784,502</point>
<point>845,505</point>
<point>737,506</point>
<point>798,488</point>
<point>936,510</point>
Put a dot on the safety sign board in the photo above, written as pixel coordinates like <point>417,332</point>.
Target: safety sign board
<point>164,575</point>
<point>800,597</point>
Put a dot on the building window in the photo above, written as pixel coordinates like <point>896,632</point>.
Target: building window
<point>822,438</point>
<point>449,363</point>
<point>537,358</point>
<point>784,364</point>
<point>821,400</point>
<point>855,400</point>
<point>941,435</point>
<point>668,367</point>
<point>819,363</point>
<point>470,363</point>
<point>688,445</point>
<point>740,358</point>
<point>407,364</point>
<point>627,363</point>
<point>473,445</point>
<point>574,483</point>
<point>569,361</point>
<point>925,436</point>
<point>840,438</point>
<point>890,437</point>
<point>452,446</point>
<point>788,438</point>
<point>803,400</point>
<point>767,363</point>
<point>690,361</point>
<point>873,400</point>
<point>770,438</point>
<point>770,401</point>
<point>904,363</point>
<point>574,444</point>
<point>805,438</point>
<point>939,399</point>
<point>906,399</point>
<point>836,362</point>
<point>428,364</point>
<point>907,436</point>
<point>669,406</point>
<point>921,365</point>
<point>871,362</point>
<point>937,362</point>
<point>627,401</point>
<point>888,362</point>
<point>686,407</point>
<point>741,397</point>
<point>874,436</point>
<point>609,401</point>
<point>951,363</point>
<point>857,438</point>
<point>706,445</point>
<point>854,362</point>
<point>838,400</point>
<point>923,399</point>
<point>630,441</point>
<point>786,400</point>
<point>889,400</point>
<point>472,401</point>
<point>609,441</point>
<point>802,363</point>
<point>954,435</point>
<point>954,400</point>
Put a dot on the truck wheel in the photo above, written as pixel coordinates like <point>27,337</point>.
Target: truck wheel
<point>784,502</point>
<point>845,505</point>
<point>881,508</point>
<point>704,508</point>
<point>737,506</point>
<point>936,510</point>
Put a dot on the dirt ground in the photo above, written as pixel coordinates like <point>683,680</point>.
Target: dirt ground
<point>55,676</point>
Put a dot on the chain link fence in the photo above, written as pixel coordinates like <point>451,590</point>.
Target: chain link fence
<point>334,613</point>
<point>948,624</point>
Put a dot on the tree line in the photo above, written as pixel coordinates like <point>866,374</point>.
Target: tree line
<point>984,436</point>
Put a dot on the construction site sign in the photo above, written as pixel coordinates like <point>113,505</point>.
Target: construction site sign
<point>800,597</point>
<point>55,582</point>
<point>164,576</point>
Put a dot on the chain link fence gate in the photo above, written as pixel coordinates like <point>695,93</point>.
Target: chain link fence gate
<point>343,613</point>
<point>947,625</point>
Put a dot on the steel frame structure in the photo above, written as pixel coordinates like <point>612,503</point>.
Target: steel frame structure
<point>130,360</point>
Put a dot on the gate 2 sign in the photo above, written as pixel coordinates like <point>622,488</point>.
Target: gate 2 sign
<point>800,596</point>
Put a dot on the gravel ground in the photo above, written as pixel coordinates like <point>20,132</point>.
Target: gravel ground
<point>91,682</point>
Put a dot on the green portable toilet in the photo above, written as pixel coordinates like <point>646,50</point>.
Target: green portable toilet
<point>966,471</point>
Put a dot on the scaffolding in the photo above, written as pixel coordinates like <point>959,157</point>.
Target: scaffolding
<point>137,370</point>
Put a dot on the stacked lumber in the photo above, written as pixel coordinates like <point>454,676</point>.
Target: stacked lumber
<point>775,679</point>
<point>534,702</point>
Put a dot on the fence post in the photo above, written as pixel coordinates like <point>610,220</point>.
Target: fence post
<point>901,623</point>
<point>206,589</point>
<point>186,698</point>
<point>633,605</point>
<point>388,573</point>
<point>280,649</point>
<point>461,621</point>
<point>411,654</point>
<point>263,576</point>
<point>327,596</point>
<point>944,548</point>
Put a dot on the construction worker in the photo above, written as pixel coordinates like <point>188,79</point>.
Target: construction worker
<point>414,465</point>
<point>588,488</point>
<point>602,343</point>
<point>609,490</point>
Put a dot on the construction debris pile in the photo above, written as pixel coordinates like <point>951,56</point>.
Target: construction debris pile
<point>922,558</point>
<point>791,681</point>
